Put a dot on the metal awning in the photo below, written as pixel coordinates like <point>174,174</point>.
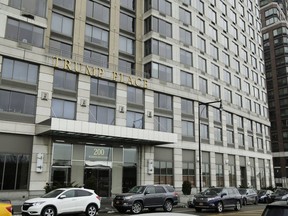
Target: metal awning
<point>94,132</point>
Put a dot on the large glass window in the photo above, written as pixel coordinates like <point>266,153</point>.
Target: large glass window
<point>20,71</point>
<point>187,106</point>
<point>185,36</point>
<point>127,22</point>
<point>126,45</point>
<point>188,128</point>
<point>60,48</point>
<point>206,179</point>
<point>67,4</point>
<point>163,172</point>
<point>232,171</point>
<point>62,24</point>
<point>156,47</point>
<point>186,79</point>
<point>163,6</point>
<point>163,124</point>
<point>126,66</point>
<point>63,109</point>
<point>37,7</point>
<point>185,16</point>
<point>162,101</point>
<point>186,57</point>
<point>158,25</point>
<point>17,102</point>
<point>103,88</point>
<point>135,95</point>
<point>135,119</point>
<point>158,71</point>
<point>188,166</point>
<point>102,115</point>
<point>96,58</point>
<point>129,4</point>
<point>14,171</point>
<point>98,11</point>
<point>24,32</point>
<point>96,35</point>
<point>219,170</point>
<point>65,80</point>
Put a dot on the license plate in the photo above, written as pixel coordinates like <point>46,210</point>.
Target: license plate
<point>117,202</point>
<point>200,203</point>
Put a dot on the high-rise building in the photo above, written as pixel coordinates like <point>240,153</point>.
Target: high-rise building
<point>110,94</point>
<point>275,44</point>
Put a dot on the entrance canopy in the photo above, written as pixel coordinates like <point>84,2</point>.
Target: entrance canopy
<point>88,131</point>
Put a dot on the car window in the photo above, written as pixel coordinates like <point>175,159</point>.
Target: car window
<point>159,189</point>
<point>212,191</point>
<point>70,193</point>
<point>279,211</point>
<point>170,188</point>
<point>242,191</point>
<point>137,189</point>
<point>230,191</point>
<point>82,193</point>
<point>235,191</point>
<point>150,190</point>
<point>52,194</point>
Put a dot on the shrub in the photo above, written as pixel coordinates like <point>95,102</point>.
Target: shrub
<point>186,187</point>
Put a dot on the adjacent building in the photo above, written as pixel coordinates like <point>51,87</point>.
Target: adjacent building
<point>110,94</point>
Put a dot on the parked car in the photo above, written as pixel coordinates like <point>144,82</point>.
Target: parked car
<point>278,195</point>
<point>191,202</point>
<point>146,196</point>
<point>278,208</point>
<point>264,195</point>
<point>6,208</point>
<point>249,196</point>
<point>218,198</point>
<point>63,201</point>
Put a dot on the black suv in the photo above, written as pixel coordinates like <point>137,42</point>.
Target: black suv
<point>278,208</point>
<point>146,196</point>
<point>218,198</point>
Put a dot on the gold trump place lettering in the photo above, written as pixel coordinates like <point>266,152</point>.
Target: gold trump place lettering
<point>98,72</point>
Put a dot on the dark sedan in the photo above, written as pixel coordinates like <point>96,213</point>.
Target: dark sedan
<point>218,198</point>
<point>280,194</point>
<point>264,196</point>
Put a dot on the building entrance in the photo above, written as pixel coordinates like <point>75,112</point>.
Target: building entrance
<point>98,179</point>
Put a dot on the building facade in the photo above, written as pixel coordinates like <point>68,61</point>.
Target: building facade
<point>110,94</point>
<point>275,30</point>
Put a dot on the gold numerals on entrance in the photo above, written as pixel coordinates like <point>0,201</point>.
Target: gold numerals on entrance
<point>98,152</point>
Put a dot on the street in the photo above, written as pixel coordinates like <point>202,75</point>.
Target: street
<point>249,210</point>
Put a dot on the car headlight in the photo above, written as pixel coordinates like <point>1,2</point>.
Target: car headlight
<point>128,197</point>
<point>284,197</point>
<point>210,199</point>
<point>38,203</point>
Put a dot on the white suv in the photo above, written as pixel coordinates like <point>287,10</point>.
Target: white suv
<point>63,201</point>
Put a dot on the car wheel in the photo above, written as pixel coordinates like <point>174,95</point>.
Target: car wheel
<point>244,201</point>
<point>137,207</point>
<point>198,209</point>
<point>91,210</point>
<point>219,207</point>
<point>49,211</point>
<point>168,206</point>
<point>238,205</point>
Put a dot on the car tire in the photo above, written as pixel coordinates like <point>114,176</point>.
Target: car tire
<point>244,202</point>
<point>198,209</point>
<point>168,206</point>
<point>137,207</point>
<point>91,210</point>
<point>219,207</point>
<point>238,205</point>
<point>49,211</point>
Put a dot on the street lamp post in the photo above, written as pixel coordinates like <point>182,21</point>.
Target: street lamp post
<point>199,133</point>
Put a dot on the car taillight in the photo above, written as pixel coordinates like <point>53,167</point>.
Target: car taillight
<point>98,197</point>
<point>176,194</point>
<point>9,208</point>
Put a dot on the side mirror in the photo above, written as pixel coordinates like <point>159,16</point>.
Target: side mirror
<point>223,194</point>
<point>62,197</point>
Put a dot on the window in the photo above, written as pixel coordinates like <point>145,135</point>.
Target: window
<point>162,6</point>
<point>213,33</point>
<point>63,109</point>
<point>97,11</point>
<point>214,52</point>
<point>103,88</point>
<point>160,48</point>
<point>185,36</point>
<point>97,36</point>
<point>65,80</point>
<point>163,124</point>
<point>185,16</point>
<point>217,115</point>
<point>250,141</point>
<point>67,4</point>
<point>202,66</point>
<point>186,79</point>
<point>200,6</point>
<point>37,7</point>
<point>135,119</point>
<point>60,48</point>
<point>186,57</point>
<point>215,71</point>
<point>61,24</point>
<point>158,71</point>
<point>96,58</point>
<point>219,170</point>
<point>158,25</point>
<point>187,106</point>
<point>206,169</point>
<point>127,22</point>
<point>162,101</point>
<point>241,141</point>
<point>102,115</point>
<point>188,166</point>
<point>238,100</point>
<point>125,66</point>
<point>201,44</point>
<point>226,59</point>
<point>204,131</point>
<point>126,45</point>
<point>200,24</point>
<point>230,137</point>
<point>17,102</point>
<point>19,71</point>
<point>129,4</point>
<point>163,171</point>
<point>187,128</point>
<point>227,77</point>
<point>237,82</point>
<point>14,171</point>
<point>218,134</point>
<point>232,171</point>
<point>24,32</point>
<point>203,85</point>
<point>215,90</point>
<point>135,95</point>
<point>229,118</point>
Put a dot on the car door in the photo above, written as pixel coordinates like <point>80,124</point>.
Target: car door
<point>225,197</point>
<point>160,195</point>
<point>67,203</point>
<point>149,196</point>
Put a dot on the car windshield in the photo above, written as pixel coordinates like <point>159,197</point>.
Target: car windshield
<point>281,192</point>
<point>52,194</point>
<point>242,191</point>
<point>261,193</point>
<point>212,191</point>
<point>279,211</point>
<point>137,189</point>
